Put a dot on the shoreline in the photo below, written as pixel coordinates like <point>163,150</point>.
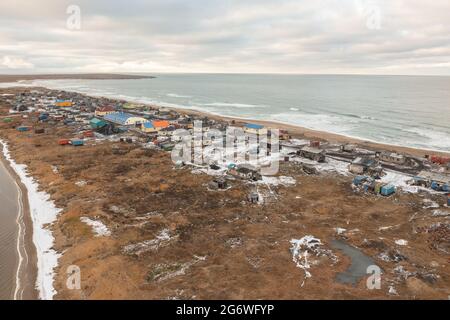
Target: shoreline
<point>296,130</point>
<point>26,269</point>
<point>293,129</point>
<point>32,271</point>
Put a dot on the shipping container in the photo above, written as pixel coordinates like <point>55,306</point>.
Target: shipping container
<point>76,142</point>
<point>359,179</point>
<point>387,190</point>
<point>63,141</point>
<point>88,134</point>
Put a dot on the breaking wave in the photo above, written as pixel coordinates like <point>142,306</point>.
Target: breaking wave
<point>233,105</point>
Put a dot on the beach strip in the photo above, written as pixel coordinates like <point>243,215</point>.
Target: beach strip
<point>41,212</point>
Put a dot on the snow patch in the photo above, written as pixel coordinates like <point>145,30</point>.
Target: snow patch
<point>306,247</point>
<point>97,226</point>
<point>401,242</point>
<point>275,181</point>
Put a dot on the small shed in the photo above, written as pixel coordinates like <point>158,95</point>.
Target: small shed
<point>312,153</point>
<point>387,190</point>
<point>77,142</point>
<point>63,142</point>
<point>253,197</point>
<point>359,180</point>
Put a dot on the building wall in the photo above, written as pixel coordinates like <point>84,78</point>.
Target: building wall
<point>148,130</point>
<point>134,120</point>
<point>103,113</point>
<point>255,131</point>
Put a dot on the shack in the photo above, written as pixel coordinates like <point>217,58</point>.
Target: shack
<point>348,147</point>
<point>77,142</point>
<point>218,183</point>
<point>362,165</point>
<point>245,172</point>
<point>312,153</point>
<point>392,157</point>
<point>436,180</point>
<point>387,190</point>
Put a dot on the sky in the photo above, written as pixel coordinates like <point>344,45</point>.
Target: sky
<point>227,36</point>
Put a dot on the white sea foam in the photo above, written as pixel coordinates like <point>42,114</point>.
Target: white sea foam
<point>324,122</point>
<point>175,95</point>
<point>352,124</point>
<point>433,138</point>
<point>233,105</point>
<point>43,212</point>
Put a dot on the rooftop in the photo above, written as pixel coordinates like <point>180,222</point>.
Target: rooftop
<point>118,117</point>
<point>253,126</point>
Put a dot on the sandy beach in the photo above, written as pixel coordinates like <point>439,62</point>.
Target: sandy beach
<point>298,131</point>
<point>26,266</point>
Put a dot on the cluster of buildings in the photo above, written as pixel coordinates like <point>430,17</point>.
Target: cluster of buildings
<point>151,124</point>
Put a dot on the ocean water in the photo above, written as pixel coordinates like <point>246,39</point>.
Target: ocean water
<point>9,210</point>
<point>411,111</point>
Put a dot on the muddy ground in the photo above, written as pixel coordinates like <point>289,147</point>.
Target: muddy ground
<point>173,238</point>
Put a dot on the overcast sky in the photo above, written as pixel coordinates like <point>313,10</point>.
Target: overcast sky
<point>268,36</point>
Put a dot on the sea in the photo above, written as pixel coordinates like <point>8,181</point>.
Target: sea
<point>411,111</point>
<point>8,233</point>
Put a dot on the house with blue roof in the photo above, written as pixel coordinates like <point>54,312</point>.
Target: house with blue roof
<point>148,127</point>
<point>254,128</point>
<point>125,119</point>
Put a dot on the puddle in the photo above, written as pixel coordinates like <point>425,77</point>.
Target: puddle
<point>358,266</point>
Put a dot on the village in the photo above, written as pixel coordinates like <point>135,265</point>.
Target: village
<point>94,119</point>
<point>71,122</point>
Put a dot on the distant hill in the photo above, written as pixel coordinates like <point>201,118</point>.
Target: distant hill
<point>93,76</point>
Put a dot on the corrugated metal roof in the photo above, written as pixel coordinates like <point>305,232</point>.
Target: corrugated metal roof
<point>96,121</point>
<point>118,117</point>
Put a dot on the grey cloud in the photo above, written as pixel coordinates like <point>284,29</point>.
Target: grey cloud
<point>323,36</point>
